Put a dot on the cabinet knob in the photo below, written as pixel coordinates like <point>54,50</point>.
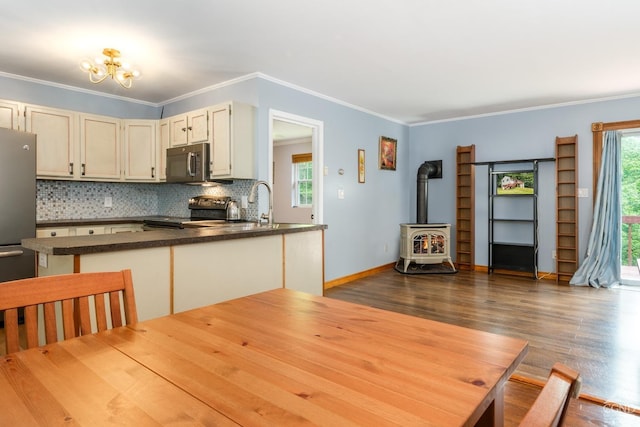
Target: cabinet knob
<point>53,234</point>
<point>90,231</point>
<point>184,129</point>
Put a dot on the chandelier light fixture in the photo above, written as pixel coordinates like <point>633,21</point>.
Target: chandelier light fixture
<point>110,66</point>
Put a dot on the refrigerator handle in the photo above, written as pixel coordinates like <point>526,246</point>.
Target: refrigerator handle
<point>8,254</point>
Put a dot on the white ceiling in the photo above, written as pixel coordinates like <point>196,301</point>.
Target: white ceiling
<point>409,60</point>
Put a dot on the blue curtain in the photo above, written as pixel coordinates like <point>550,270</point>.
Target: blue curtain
<point>601,266</point>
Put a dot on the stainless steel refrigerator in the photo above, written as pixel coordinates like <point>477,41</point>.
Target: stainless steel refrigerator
<point>17,203</point>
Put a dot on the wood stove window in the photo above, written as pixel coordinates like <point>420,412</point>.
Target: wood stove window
<point>429,244</point>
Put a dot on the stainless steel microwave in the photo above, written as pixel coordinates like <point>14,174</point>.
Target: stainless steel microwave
<point>188,163</point>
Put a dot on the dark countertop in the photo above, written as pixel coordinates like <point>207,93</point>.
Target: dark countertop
<point>81,245</point>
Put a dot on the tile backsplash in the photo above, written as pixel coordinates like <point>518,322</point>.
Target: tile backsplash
<point>86,200</point>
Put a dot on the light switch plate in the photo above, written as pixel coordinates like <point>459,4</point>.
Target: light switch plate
<point>340,193</point>
<point>583,192</point>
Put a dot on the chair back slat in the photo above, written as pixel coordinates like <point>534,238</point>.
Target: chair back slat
<point>65,299</point>
<point>50,326</point>
<point>30,315</point>
<point>551,405</point>
<point>114,303</point>
<point>101,313</point>
<point>69,318</point>
<point>85,319</point>
<point>11,330</point>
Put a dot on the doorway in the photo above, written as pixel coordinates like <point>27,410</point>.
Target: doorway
<point>292,133</point>
<point>630,207</point>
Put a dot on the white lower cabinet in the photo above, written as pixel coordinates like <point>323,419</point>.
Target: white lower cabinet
<point>208,273</point>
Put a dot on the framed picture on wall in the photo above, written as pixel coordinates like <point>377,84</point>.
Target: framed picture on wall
<point>387,153</point>
<point>361,166</point>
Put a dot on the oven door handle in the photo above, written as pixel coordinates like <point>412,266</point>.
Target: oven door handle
<point>7,254</point>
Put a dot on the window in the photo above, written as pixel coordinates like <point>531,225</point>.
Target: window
<point>302,171</point>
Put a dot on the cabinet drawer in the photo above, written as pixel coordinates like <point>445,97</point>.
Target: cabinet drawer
<point>52,232</point>
<point>88,231</point>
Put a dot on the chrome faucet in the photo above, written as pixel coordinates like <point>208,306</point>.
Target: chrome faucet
<point>252,199</point>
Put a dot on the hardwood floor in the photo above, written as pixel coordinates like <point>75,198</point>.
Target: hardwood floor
<point>595,331</point>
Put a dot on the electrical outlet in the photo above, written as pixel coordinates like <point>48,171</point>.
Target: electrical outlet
<point>108,202</point>
<point>553,254</point>
<point>386,247</point>
<point>42,260</point>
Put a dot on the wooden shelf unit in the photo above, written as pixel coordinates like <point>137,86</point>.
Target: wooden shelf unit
<point>465,207</point>
<point>566,207</point>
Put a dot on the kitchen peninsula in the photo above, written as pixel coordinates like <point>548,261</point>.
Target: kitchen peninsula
<point>179,269</point>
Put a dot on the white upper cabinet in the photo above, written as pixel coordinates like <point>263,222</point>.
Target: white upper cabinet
<point>232,142</point>
<point>189,128</point>
<point>55,133</point>
<point>221,141</point>
<point>79,146</point>
<point>99,147</point>
<point>9,115</point>
<point>162,143</point>
<point>140,150</point>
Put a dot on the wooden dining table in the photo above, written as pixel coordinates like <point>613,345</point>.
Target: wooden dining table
<point>277,358</point>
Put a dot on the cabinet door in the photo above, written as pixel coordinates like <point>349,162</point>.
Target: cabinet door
<point>162,144</point>
<point>9,114</point>
<point>198,126</point>
<point>99,147</point>
<point>56,143</point>
<point>140,150</point>
<point>221,141</point>
<point>178,130</point>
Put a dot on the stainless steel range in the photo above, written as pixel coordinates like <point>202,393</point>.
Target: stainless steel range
<point>203,208</point>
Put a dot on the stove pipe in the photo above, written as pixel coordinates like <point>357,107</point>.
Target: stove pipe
<point>426,171</point>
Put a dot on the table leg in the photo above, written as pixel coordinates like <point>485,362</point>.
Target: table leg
<point>494,415</point>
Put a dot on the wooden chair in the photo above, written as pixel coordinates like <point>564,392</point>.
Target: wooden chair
<point>73,292</point>
<point>550,406</point>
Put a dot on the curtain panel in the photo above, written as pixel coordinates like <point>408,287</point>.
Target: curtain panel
<point>601,266</point>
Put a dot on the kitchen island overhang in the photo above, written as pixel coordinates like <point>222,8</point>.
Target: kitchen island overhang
<point>180,269</point>
<point>81,245</point>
